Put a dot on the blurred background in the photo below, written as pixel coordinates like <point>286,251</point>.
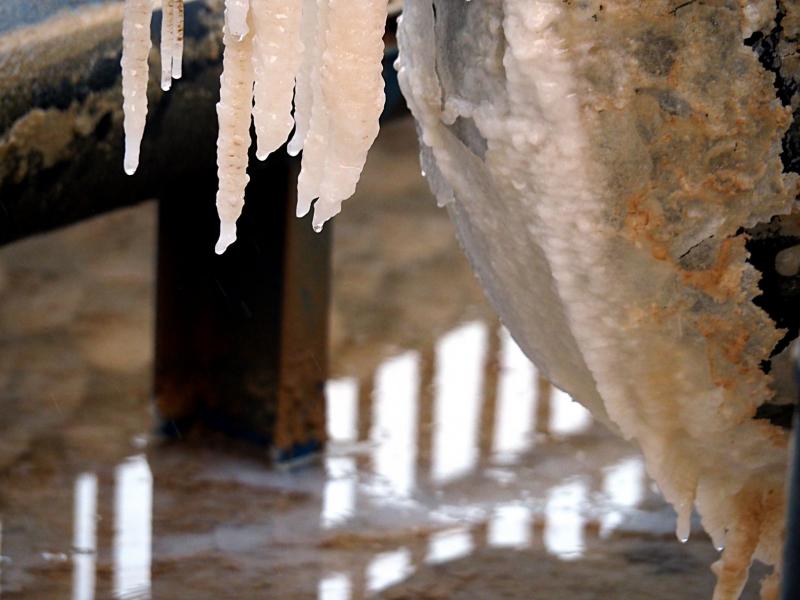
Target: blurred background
<point>453,470</point>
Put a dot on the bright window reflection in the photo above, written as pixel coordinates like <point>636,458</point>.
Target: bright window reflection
<point>448,545</point>
<point>510,526</point>
<point>516,401</point>
<point>395,421</point>
<point>335,586</point>
<point>387,569</point>
<point>564,520</point>
<point>623,484</point>
<point>342,409</point>
<point>460,363</point>
<point>567,417</point>
<point>84,539</point>
<point>339,497</point>
<point>133,505</point>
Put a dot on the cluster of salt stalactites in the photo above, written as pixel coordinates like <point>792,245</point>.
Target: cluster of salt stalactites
<point>327,54</point>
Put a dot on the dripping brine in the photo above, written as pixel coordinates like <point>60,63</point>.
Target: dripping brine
<point>306,66</point>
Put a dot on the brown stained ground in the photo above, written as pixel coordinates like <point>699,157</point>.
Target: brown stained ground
<point>523,498</point>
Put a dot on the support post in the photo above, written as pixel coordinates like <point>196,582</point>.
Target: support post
<point>241,339</point>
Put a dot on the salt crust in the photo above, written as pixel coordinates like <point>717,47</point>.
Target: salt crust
<point>573,246</point>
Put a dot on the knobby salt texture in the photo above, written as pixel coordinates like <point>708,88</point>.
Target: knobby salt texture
<point>171,41</point>
<point>352,62</point>
<point>135,50</point>
<point>599,171</point>
<point>234,113</point>
<point>326,53</point>
<point>343,126</point>
<point>277,54</point>
<point>313,46</point>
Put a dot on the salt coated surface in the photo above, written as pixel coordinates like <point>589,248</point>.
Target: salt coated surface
<point>536,136</point>
<point>610,248</point>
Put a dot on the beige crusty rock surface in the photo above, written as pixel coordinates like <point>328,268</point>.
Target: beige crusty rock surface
<point>602,160</point>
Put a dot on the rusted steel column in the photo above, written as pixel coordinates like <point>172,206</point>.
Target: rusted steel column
<point>241,338</point>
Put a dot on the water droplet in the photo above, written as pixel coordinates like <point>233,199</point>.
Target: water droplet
<point>318,228</point>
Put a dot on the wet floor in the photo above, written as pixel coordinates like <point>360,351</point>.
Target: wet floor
<point>454,470</point>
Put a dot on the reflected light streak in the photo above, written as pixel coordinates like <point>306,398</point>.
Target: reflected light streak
<point>342,409</point>
<point>567,416</point>
<point>563,532</point>
<point>133,505</point>
<point>394,428</point>
<point>510,527</point>
<point>460,363</point>
<point>339,497</point>
<point>623,484</point>
<point>84,540</point>
<point>516,404</point>
<point>388,568</point>
<point>445,546</point>
<point>335,586</point>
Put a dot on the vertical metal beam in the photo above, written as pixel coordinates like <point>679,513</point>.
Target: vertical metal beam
<point>241,338</point>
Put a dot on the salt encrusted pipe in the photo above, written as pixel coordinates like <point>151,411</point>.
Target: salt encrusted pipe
<point>352,62</point>
<point>316,141</point>
<point>277,53</point>
<point>167,42</point>
<point>236,18</point>
<point>135,50</point>
<point>234,111</point>
<point>311,39</point>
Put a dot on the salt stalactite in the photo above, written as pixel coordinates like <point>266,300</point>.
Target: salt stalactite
<point>311,39</point>
<point>343,126</point>
<point>315,141</point>
<point>135,50</point>
<point>171,42</point>
<point>234,113</point>
<point>352,62</point>
<point>167,43</point>
<point>177,50</point>
<point>277,54</point>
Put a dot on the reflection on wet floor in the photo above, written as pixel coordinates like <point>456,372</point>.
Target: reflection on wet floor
<point>454,469</point>
<point>388,470</point>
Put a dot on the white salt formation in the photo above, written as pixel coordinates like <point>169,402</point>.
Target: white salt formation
<point>601,175</point>
<point>331,49</point>
<point>171,42</point>
<point>277,56</point>
<point>600,171</point>
<point>135,50</point>
<point>233,110</point>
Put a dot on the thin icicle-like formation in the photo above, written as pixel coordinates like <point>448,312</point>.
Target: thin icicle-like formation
<point>167,45</point>
<point>277,54</point>
<point>234,111</point>
<point>316,139</point>
<point>135,50</point>
<point>313,44</point>
<point>171,42</point>
<point>352,62</point>
<point>177,51</point>
<point>328,52</point>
